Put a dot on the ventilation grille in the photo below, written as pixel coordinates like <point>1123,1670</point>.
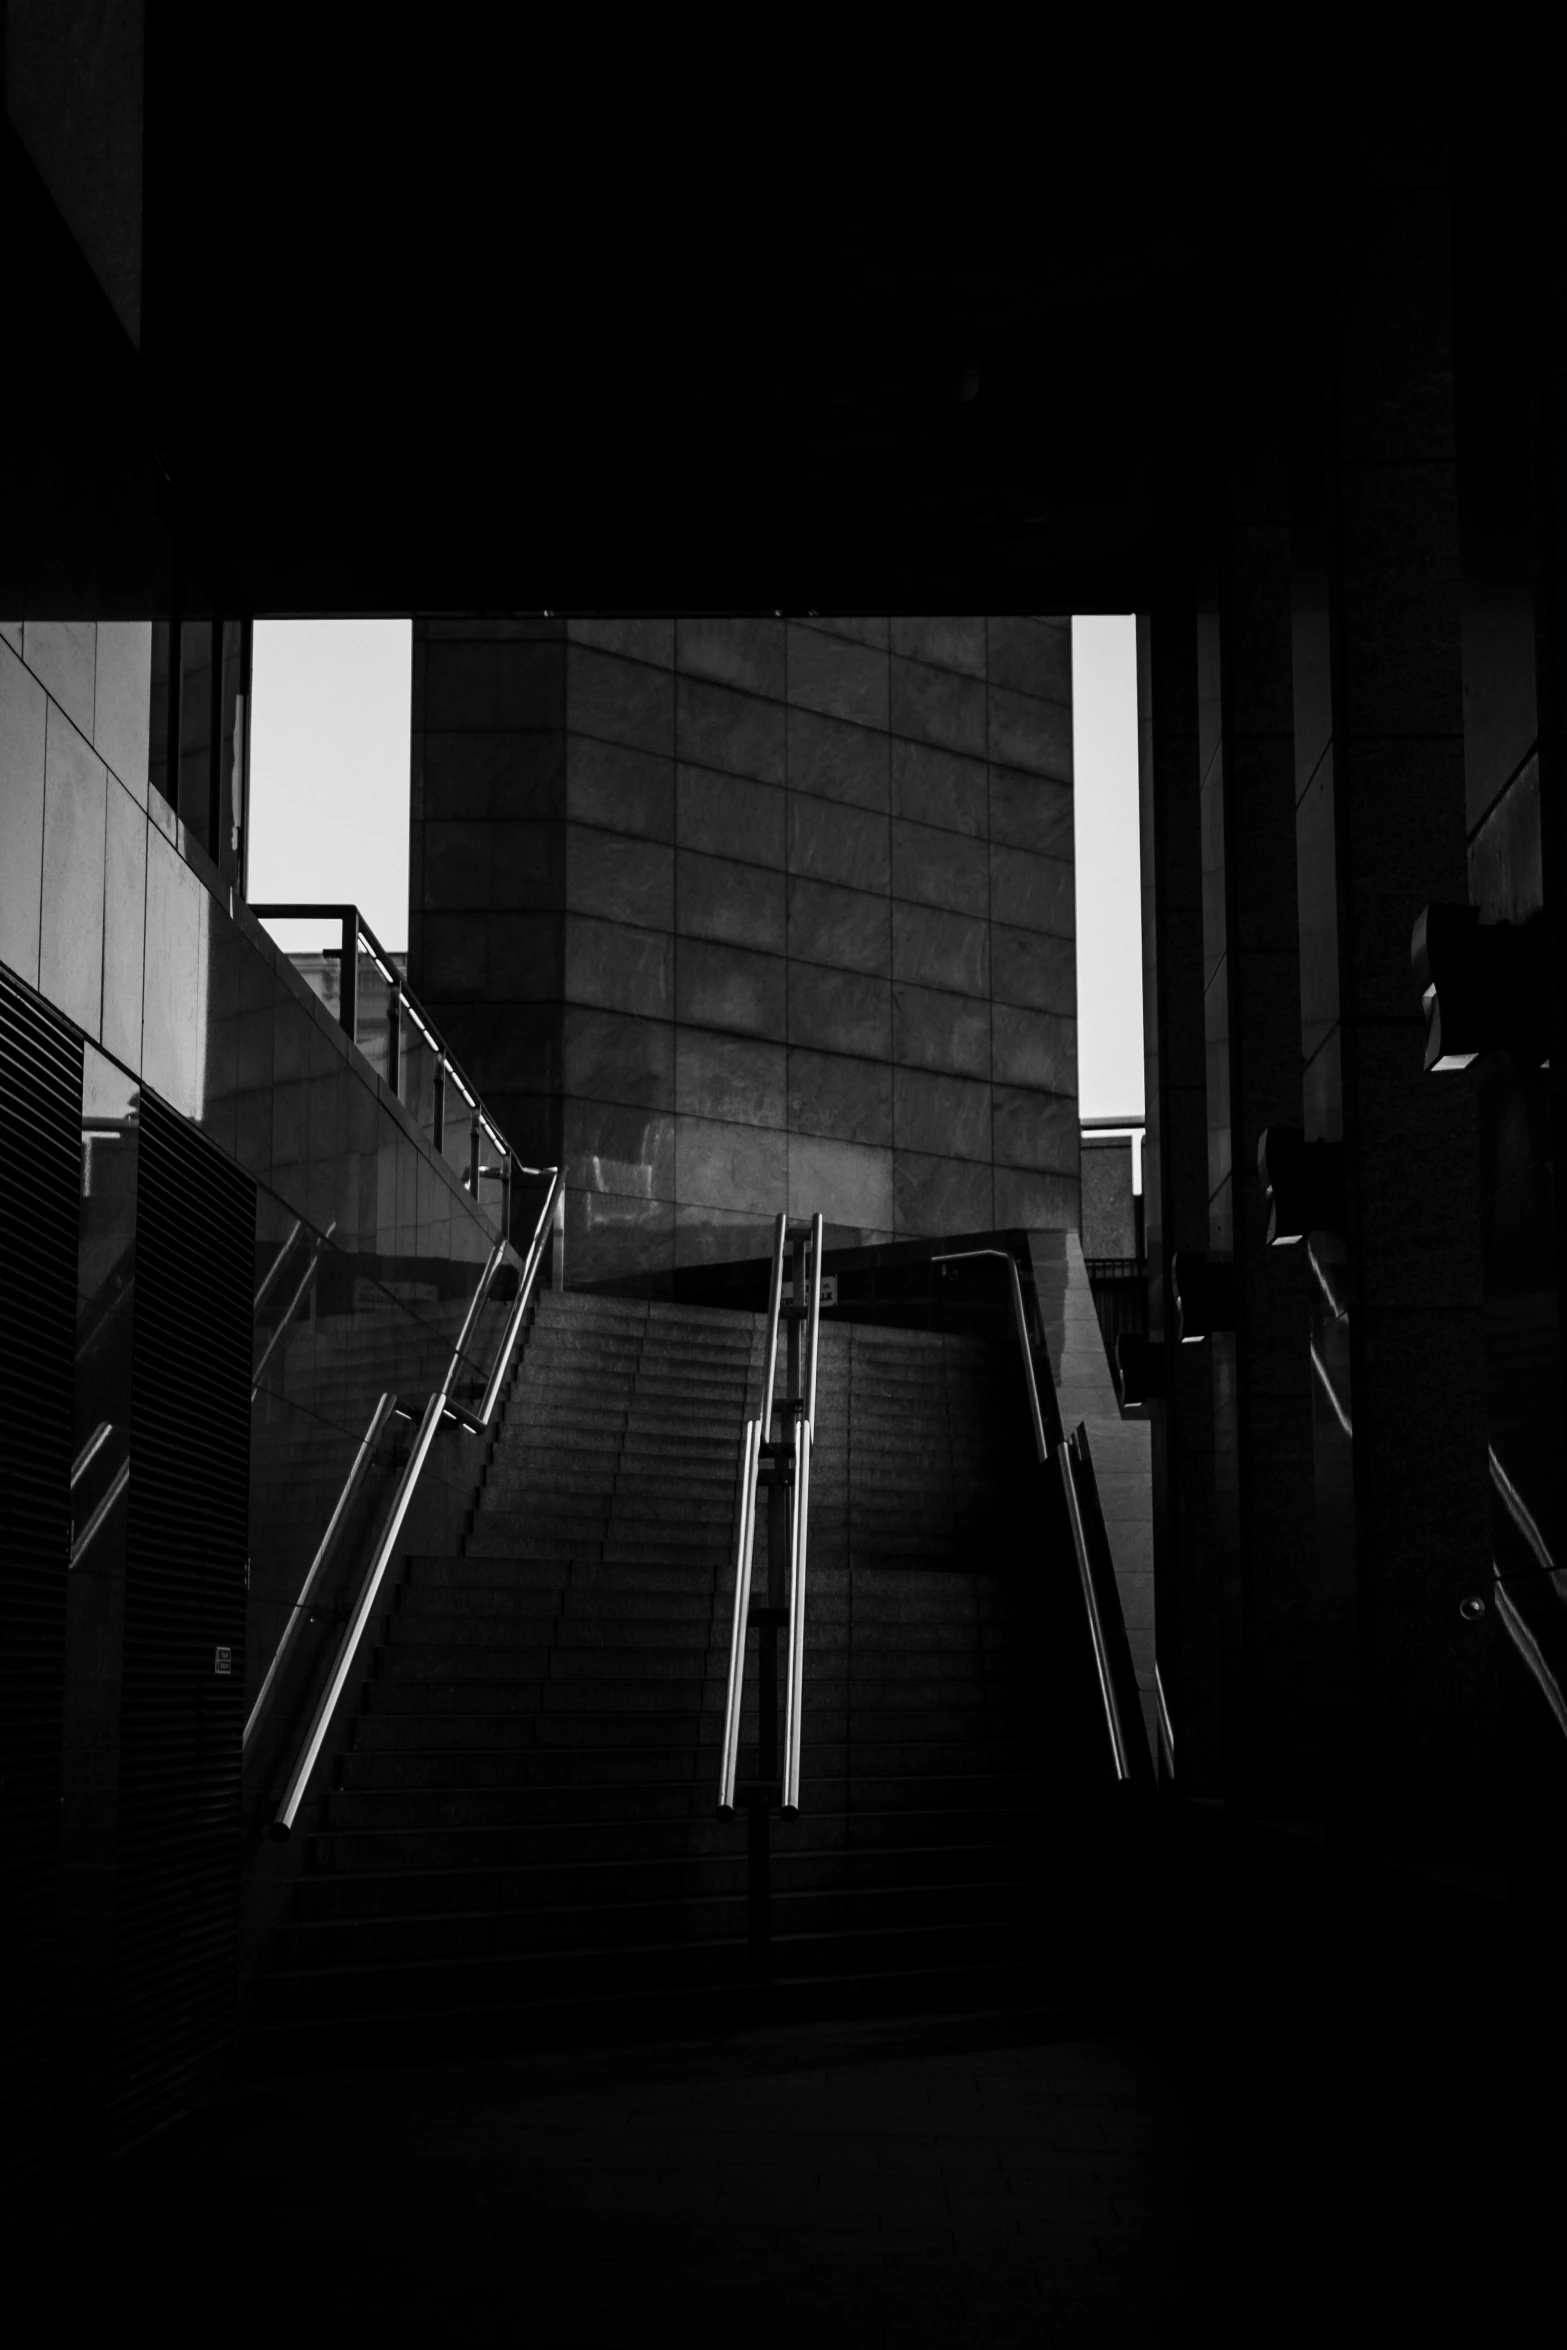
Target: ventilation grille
<point>176,1915</point>
<point>40,1179</point>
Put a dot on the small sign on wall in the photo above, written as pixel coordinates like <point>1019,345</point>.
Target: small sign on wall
<point>223,1660</point>
<point>829,1290</point>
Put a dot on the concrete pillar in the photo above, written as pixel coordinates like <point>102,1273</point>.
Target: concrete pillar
<point>1382,833</point>
<point>1175,1187</point>
<point>1265,1551</point>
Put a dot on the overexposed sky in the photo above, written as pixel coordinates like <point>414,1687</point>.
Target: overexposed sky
<point>1109,895</point>
<point>329,810</point>
<point>329,772</point>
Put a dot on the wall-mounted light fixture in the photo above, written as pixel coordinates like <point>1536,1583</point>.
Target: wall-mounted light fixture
<point>1203,1289</point>
<point>1482,986</point>
<point>1303,1182</point>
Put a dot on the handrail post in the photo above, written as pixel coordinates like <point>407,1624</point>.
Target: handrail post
<point>348,975</point>
<point>394,1040</point>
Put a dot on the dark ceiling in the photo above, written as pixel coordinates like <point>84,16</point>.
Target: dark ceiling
<point>424,345</point>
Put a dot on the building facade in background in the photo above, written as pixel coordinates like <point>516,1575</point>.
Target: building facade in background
<point>738,913</point>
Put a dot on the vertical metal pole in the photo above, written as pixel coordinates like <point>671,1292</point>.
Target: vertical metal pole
<point>394,1040</point>
<point>506,1163</point>
<point>440,1101</point>
<point>473,1155</point>
<point>348,975</point>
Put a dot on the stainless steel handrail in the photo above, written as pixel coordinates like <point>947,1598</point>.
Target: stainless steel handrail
<point>1064,1455</point>
<point>1074,1513</point>
<point>804,1427</point>
<point>436,1410</point>
<point>756,1433</point>
<point>1166,1726</point>
<point>379,1418</point>
<point>540,1241</point>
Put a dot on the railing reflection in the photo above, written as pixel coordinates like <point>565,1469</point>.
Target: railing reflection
<point>364,984</point>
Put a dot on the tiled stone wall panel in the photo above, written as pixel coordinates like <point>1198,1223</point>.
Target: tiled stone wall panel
<point>63,656</point>
<point>616,1057</point>
<point>937,706</point>
<point>730,987</point>
<point>741,1078</point>
<point>741,734</point>
<point>23,704</point>
<point>871,828</point>
<point>1031,970</point>
<point>619,701</point>
<point>620,790</point>
<point>854,1180</point>
<point>621,969</point>
<point>839,762</point>
<point>947,642</point>
<point>837,677</point>
<point>830,1094</point>
<point>948,1116</point>
<point>70,961</point>
<point>932,1030</point>
<point>850,928</point>
<point>745,905</point>
<point>933,786</point>
<point>728,816</point>
<point>748,654</point>
<point>124,927</point>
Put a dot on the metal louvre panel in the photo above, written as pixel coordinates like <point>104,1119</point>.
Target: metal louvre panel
<point>177,1908</point>
<point>40,1179</point>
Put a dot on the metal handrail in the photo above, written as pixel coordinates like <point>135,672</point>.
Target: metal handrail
<point>1074,1513</point>
<point>540,1241</point>
<point>438,1408</point>
<point>756,1432</point>
<point>1166,1726</point>
<point>804,1427</point>
<point>752,1440</point>
<point>384,1411</point>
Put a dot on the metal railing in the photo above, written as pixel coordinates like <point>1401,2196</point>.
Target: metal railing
<point>404,1012</point>
<point>440,1407</point>
<point>1062,1458</point>
<point>785,1465</point>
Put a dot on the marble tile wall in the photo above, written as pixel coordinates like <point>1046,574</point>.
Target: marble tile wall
<point>743,913</point>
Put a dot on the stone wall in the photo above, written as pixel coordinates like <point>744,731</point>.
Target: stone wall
<point>737,913</point>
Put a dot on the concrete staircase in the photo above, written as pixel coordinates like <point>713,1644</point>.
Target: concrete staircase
<point>521,1840</point>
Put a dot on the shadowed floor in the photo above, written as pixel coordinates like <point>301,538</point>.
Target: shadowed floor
<point>963,2180</point>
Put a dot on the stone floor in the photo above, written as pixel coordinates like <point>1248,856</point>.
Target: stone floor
<point>962,2181</point>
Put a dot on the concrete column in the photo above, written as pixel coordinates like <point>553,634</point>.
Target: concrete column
<point>1382,833</point>
<point>1175,1186</point>
<point>1261,1397</point>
